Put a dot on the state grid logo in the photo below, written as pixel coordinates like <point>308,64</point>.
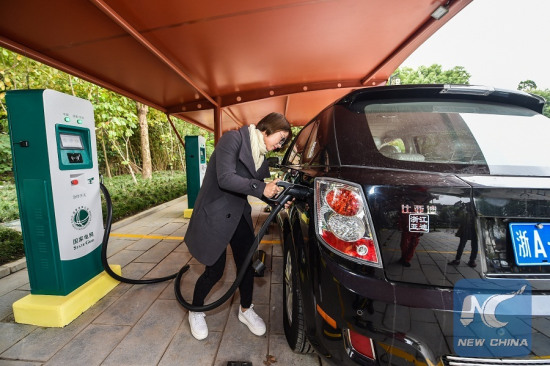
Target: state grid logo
<point>81,217</point>
<point>492,318</point>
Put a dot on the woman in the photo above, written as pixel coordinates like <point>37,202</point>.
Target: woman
<point>222,213</point>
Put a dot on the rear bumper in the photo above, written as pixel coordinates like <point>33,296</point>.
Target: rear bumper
<point>407,323</point>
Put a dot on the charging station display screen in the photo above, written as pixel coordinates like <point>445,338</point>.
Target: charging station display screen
<point>72,142</point>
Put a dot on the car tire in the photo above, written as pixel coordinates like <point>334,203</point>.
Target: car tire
<point>293,316</point>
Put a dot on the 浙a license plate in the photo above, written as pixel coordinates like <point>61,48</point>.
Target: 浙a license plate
<point>531,242</point>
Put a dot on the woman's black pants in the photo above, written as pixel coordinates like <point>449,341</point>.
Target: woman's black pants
<point>242,240</point>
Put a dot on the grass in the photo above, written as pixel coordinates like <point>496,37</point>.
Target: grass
<point>11,245</point>
<point>128,199</point>
<point>9,210</point>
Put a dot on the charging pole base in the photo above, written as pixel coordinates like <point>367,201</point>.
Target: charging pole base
<point>58,311</point>
<point>187,213</point>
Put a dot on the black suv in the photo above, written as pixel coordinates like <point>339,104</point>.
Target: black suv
<point>427,239</point>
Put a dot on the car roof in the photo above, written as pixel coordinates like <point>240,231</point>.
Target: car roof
<point>440,91</point>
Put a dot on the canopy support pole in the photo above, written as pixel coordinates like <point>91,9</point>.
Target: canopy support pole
<point>175,130</point>
<point>217,121</point>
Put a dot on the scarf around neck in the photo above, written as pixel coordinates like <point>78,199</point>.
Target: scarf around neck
<point>258,146</point>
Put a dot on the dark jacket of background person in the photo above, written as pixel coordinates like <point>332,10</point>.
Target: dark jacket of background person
<point>222,200</point>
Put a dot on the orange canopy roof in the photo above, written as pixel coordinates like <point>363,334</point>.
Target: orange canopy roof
<point>242,58</point>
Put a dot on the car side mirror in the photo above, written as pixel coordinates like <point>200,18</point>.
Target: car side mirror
<point>273,162</point>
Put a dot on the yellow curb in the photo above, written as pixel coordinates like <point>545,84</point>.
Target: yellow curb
<point>139,236</point>
<point>180,238</point>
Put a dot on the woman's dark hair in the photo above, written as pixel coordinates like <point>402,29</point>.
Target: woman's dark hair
<point>274,122</point>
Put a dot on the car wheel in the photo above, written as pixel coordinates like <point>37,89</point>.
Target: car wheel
<point>293,317</point>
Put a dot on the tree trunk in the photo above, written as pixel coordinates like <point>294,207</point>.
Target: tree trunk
<point>128,161</point>
<point>107,167</point>
<point>71,85</point>
<point>125,157</point>
<point>147,166</point>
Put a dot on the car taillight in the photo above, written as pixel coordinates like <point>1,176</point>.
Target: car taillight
<point>343,221</point>
<point>358,343</point>
<point>343,201</point>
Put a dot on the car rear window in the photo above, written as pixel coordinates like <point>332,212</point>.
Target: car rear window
<point>509,140</point>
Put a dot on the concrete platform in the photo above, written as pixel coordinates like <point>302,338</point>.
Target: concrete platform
<point>144,324</point>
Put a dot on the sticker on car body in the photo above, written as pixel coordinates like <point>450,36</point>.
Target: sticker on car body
<point>419,223</point>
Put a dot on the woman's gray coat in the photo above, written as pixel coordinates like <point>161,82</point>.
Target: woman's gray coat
<point>230,177</point>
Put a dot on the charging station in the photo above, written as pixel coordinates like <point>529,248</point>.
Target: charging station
<point>195,161</point>
<point>57,182</point>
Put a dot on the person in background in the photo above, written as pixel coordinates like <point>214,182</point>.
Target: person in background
<point>466,231</point>
<point>222,214</point>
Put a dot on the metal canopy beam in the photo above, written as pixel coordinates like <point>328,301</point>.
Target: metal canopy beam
<point>263,93</point>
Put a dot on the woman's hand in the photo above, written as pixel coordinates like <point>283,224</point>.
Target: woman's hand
<point>271,188</point>
<point>289,203</point>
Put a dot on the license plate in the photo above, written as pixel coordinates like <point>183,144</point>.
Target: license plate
<point>531,242</point>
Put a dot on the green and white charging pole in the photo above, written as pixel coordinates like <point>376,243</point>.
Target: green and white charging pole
<point>57,180</point>
<point>195,161</point>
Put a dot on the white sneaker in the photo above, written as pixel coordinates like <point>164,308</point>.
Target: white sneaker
<point>199,329</point>
<point>252,321</point>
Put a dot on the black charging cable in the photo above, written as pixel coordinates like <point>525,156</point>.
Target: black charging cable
<point>289,192</point>
<point>106,234</point>
<point>240,275</point>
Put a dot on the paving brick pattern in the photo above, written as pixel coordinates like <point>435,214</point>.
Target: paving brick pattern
<point>144,324</point>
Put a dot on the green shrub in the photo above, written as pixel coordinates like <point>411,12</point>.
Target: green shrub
<point>11,245</point>
<point>5,154</point>
<point>128,199</point>
<point>9,210</point>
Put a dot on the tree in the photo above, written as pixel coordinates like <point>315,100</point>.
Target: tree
<point>531,87</point>
<point>431,75</point>
<point>527,85</point>
<point>17,72</point>
<point>117,120</point>
<point>146,165</point>
<point>546,95</point>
